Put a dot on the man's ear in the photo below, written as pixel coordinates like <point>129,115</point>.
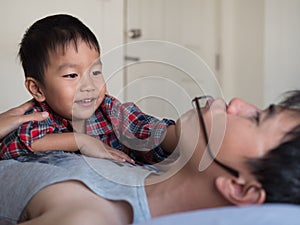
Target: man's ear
<point>238,192</point>
<point>34,87</point>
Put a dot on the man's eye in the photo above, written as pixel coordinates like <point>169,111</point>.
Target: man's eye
<point>256,117</point>
<point>71,75</point>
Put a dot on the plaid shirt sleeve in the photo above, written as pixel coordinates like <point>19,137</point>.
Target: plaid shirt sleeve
<point>32,131</point>
<point>137,130</point>
<point>19,141</point>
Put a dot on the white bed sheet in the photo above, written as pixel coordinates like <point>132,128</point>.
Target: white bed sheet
<point>267,214</point>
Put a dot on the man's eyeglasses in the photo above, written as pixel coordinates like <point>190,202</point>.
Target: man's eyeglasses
<point>200,102</point>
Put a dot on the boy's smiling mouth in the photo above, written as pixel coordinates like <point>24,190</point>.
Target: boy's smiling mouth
<point>86,101</point>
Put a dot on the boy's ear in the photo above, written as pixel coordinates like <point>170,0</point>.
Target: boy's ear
<point>239,193</point>
<point>34,87</point>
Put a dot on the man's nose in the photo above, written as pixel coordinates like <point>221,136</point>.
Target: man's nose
<point>240,107</point>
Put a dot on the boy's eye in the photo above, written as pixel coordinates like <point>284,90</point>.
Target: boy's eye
<point>96,73</point>
<point>72,75</point>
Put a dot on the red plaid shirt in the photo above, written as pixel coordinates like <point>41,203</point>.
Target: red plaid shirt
<point>121,126</point>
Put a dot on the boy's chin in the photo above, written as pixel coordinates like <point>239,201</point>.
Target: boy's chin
<point>82,116</point>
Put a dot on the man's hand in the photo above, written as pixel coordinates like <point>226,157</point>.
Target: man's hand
<point>12,118</point>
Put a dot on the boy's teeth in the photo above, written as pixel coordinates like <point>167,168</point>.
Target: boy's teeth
<point>86,100</point>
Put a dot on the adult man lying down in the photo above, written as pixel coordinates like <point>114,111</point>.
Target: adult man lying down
<point>256,161</point>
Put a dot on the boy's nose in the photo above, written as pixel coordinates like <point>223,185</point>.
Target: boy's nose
<point>87,84</point>
<point>240,107</point>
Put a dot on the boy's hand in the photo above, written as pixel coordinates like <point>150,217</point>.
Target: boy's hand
<point>93,147</point>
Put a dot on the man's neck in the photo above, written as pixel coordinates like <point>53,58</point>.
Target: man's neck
<point>184,191</point>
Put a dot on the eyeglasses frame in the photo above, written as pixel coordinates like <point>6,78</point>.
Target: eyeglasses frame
<point>230,170</point>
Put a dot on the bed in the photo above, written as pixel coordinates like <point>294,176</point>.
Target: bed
<point>266,214</point>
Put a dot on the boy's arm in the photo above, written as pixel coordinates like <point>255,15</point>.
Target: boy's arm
<point>61,141</point>
<point>72,142</point>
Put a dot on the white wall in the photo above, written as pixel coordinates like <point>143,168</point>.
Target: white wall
<point>242,40</point>
<point>260,43</point>
<point>260,49</point>
<point>104,17</point>
<point>282,47</point>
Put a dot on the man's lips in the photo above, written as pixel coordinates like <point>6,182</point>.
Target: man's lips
<point>215,103</point>
<point>209,102</point>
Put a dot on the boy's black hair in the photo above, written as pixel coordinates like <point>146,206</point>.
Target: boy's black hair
<point>279,170</point>
<point>49,34</point>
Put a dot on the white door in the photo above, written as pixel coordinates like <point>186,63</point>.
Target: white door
<point>166,42</point>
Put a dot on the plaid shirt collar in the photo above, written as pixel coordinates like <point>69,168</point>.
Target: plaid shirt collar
<point>55,119</point>
<point>97,124</point>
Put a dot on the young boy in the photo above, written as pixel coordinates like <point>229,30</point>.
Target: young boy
<point>61,60</point>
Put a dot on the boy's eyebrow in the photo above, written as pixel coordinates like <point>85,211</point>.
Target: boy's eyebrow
<point>97,62</point>
<point>66,65</point>
<point>70,65</point>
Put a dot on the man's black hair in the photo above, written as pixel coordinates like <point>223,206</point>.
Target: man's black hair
<point>279,170</point>
<point>49,34</point>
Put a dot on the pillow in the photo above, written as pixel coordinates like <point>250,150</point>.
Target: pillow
<point>266,214</point>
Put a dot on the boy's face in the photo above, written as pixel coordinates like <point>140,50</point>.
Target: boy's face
<point>73,82</point>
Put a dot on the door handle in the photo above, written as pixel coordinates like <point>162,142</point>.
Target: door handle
<point>134,33</point>
<point>131,58</point>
